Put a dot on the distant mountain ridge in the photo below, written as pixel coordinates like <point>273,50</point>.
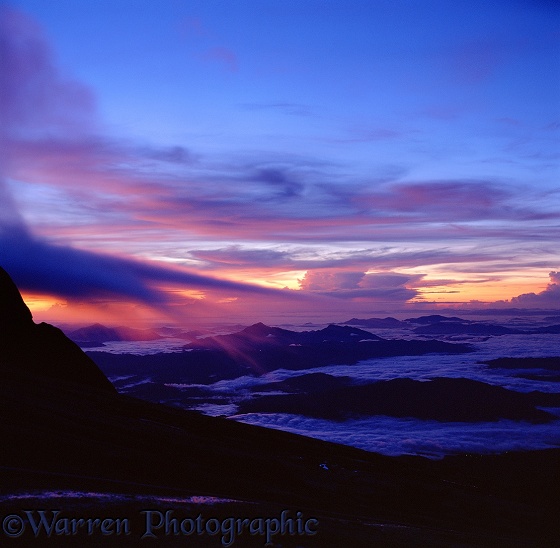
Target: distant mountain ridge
<point>260,334</point>
<point>260,348</point>
<point>379,323</point>
<point>436,324</point>
<point>98,333</point>
<point>255,351</point>
<point>462,328</point>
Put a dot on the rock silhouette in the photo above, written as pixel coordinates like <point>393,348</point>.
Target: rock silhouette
<point>40,349</point>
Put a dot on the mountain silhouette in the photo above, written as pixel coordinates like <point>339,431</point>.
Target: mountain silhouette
<point>461,328</point>
<point>261,334</point>
<point>379,323</point>
<point>99,334</point>
<point>442,399</point>
<point>40,349</point>
<point>260,348</point>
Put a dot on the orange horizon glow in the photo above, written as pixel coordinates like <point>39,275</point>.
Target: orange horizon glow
<point>191,304</point>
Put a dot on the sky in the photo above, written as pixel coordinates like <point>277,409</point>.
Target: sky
<point>259,159</point>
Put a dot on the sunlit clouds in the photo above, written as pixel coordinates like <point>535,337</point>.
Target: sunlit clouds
<point>281,174</point>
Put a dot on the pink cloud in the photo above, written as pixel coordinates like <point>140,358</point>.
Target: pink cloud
<point>333,265</point>
<point>330,280</point>
<point>359,286</point>
<point>441,200</point>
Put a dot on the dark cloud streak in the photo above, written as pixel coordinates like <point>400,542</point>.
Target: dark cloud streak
<point>39,266</point>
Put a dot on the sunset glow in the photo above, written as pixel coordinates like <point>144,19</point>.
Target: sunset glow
<point>171,161</point>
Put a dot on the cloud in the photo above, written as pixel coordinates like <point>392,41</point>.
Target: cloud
<point>382,258</point>
<point>352,285</point>
<point>413,436</point>
<point>33,92</point>
<point>46,122</point>
<point>550,297</point>
<point>173,155</point>
<point>39,266</point>
<point>459,200</point>
<point>331,281</point>
<point>49,136</point>
<point>278,178</point>
<point>9,215</point>
<point>291,211</point>
<point>236,256</point>
<point>257,202</point>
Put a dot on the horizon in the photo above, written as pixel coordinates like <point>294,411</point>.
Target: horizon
<point>162,162</point>
<point>303,320</point>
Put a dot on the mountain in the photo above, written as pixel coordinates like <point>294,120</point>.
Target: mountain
<point>40,349</point>
<point>376,323</point>
<point>434,318</point>
<point>554,319</point>
<point>552,363</point>
<point>100,334</point>
<point>540,369</point>
<point>549,330</point>
<point>260,348</point>
<point>462,328</point>
<point>66,432</point>
<point>260,335</point>
<point>14,314</point>
<point>441,399</point>
<point>308,383</point>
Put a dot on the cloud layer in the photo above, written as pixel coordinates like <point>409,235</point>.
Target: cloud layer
<point>47,135</point>
<point>380,287</point>
<point>549,298</point>
<point>81,210</point>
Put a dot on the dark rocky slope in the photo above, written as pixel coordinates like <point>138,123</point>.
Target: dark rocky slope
<point>40,349</point>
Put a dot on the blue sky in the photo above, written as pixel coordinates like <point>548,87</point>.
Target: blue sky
<point>377,153</point>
